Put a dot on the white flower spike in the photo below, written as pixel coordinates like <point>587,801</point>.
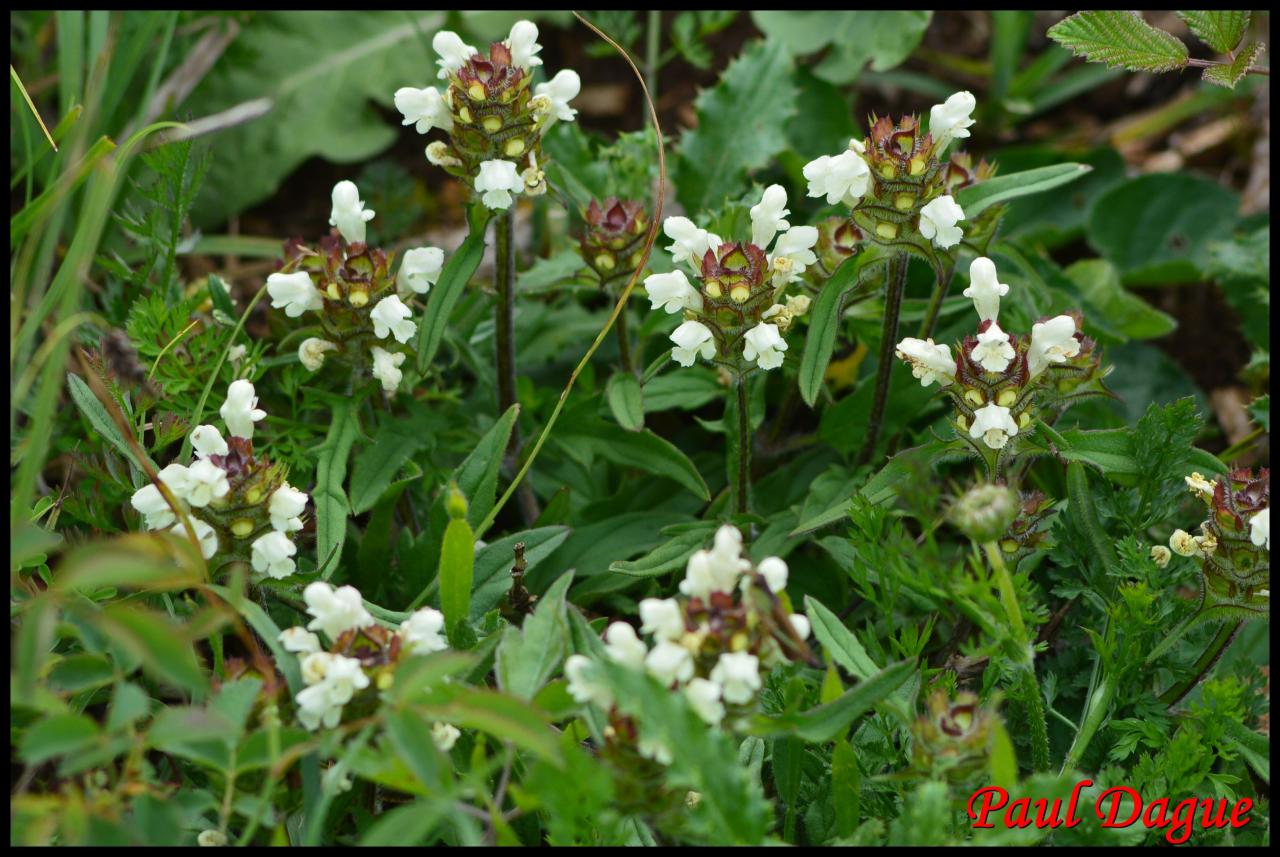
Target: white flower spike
<point>938,222</point>
<point>985,288</point>
<point>349,213</point>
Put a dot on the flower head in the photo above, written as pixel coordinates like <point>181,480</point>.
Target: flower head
<point>240,411</point>
<point>929,361</point>
<point>994,425</point>
<point>391,317</point>
<point>693,338</point>
<point>497,180</point>
<point>938,222</point>
<point>349,213</point>
<point>985,288</point>
<point>295,292</point>
<point>764,345</point>
<point>421,269</point>
<point>386,368</point>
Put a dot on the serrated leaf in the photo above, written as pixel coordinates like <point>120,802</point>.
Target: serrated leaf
<point>1231,74</point>
<point>98,417</point>
<point>882,38</point>
<point>1119,39</point>
<point>1220,29</point>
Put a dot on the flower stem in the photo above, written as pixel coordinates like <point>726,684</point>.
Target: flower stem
<point>742,498</point>
<point>1026,661</point>
<point>624,343</point>
<point>940,288</point>
<point>1215,650</point>
<point>897,282</point>
<point>504,282</point>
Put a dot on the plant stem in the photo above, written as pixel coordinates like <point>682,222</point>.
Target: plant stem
<point>504,281</point>
<point>624,343</point>
<point>1096,706</point>
<point>1026,660</point>
<point>1217,647</point>
<point>1253,69</point>
<point>742,500</point>
<point>940,288</point>
<point>897,282</point>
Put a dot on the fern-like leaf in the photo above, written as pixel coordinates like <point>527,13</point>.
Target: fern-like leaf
<point>1220,29</point>
<point>1119,39</point>
<point>1232,74</point>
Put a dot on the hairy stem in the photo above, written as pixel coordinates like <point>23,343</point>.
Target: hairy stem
<point>897,282</point>
<point>742,498</point>
<point>1216,649</point>
<point>504,283</point>
<point>1026,660</point>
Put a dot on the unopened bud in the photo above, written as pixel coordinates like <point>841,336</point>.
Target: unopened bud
<point>985,512</point>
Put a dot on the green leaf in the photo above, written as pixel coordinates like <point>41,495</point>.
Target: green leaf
<point>1220,29</point>
<point>688,389</point>
<point>494,561</point>
<point>457,568</point>
<point>979,197</point>
<point>827,721</point>
<point>504,717</point>
<point>161,645</point>
<point>1100,285</point>
<point>527,657</point>
<point>449,288</point>
<point>642,449</point>
<point>846,781</point>
<point>666,557</point>
<point>1084,513</point>
<point>98,417</point>
<point>824,325</point>
<point>839,641</point>
<point>329,497</point>
<point>882,38</point>
<point>406,731</point>
<point>219,295</point>
<point>741,127</point>
<point>625,400</point>
<point>59,735</point>
<point>393,444</point>
<point>1119,39</point>
<point>1232,73</point>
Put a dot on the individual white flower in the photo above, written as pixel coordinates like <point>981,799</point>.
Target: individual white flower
<point>775,572</point>
<point>444,736</point>
<point>148,500</point>
<point>693,338</point>
<point>985,288</point>
<point>584,686</point>
<point>1208,542</point>
<point>856,145</point>
<point>423,108</point>
<point>764,345</point>
<point>322,702</point>
<point>1161,555</point>
<point>1052,341</point>
<point>938,222</point>
<point>1198,485</point>
<point>1185,544</point>
<point>386,368</point>
<point>793,254</point>
<point>689,243</point>
<point>452,51</point>
<point>523,44</point>
<point>336,780</point>
<point>704,699</point>
<point>349,213</point>
<point>208,483</point>
<point>738,674</point>
<point>718,569</point>
<point>272,555</point>
<point>300,640</point>
<point>420,269</point>
<point>800,623</point>
<point>672,291</point>
<point>654,748</point>
<point>439,154</point>
<point>662,618</point>
<point>929,361</point>
<point>768,216</point>
<point>236,353</point>
<point>535,180</point>
<point>559,91</point>
<point>335,610</point>
<point>798,305</point>
<point>207,440</point>
<point>286,504</point>
<point>669,663</point>
<point>994,424</point>
<point>623,646</point>
<point>841,178</point>
<point>391,317</point>
<point>423,631</point>
<point>205,534</point>
<point>311,352</point>
<point>240,411</point>
<point>295,292</point>
<point>211,838</point>
<point>993,352</point>
<point>1260,529</point>
<point>952,119</point>
<point>496,181</point>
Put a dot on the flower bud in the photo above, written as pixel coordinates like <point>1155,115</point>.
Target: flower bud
<point>985,512</point>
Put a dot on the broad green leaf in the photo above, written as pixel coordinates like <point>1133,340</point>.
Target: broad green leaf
<point>155,640</point>
<point>79,672</point>
<point>149,561</point>
<point>409,734</point>
<point>642,449</point>
<point>329,496</point>
<point>1220,29</point>
<point>688,389</point>
<point>408,824</point>
<point>495,559</point>
<point>1241,266</point>
<point>59,735</point>
<point>846,786</point>
<point>839,641</point>
<point>882,38</point>
<point>741,127</point>
<point>98,417</point>
<point>979,197</point>
<point>625,400</point>
<point>527,657</point>
<point>1119,39</point>
<point>379,463</point>
<point>1233,72</point>
<point>504,717</point>
<point>1100,285</point>
<point>824,325</point>
<point>449,288</point>
<point>827,721</point>
<point>457,567</point>
<point>668,556</point>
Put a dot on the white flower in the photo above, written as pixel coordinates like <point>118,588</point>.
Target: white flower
<point>985,288</point>
<point>994,424</point>
<point>929,361</point>
<point>558,92</point>
<point>1161,555</point>
<point>423,108</point>
<point>768,216</point>
<point>205,534</point>
<point>444,736</point>
<point>693,338</point>
<point>690,243</point>
<point>453,52</point>
<point>349,213</point>
<point>240,411</point>
<point>207,440</point>
<point>672,291</point>
<point>792,254</point>
<point>669,663</point>
<point>993,352</point>
<point>523,43</point>
<point>151,503</point>
<point>272,555</point>
<point>1260,529</point>
<point>420,269</point>
<point>311,352</point>
<point>800,623</point>
<point>798,305</point>
<point>1185,544</point>
<point>704,698</point>
<point>422,631</point>
<point>295,292</point>
<point>236,353</point>
<point>1198,485</point>
<point>300,640</point>
<point>952,119</point>
<point>841,178</point>
<point>211,838</point>
<point>738,674</point>
<point>764,345</point>
<point>335,610</point>
<point>386,368</point>
<point>321,703</point>
<point>391,316</point>
<point>623,646</point>
<point>662,618</point>
<point>497,180</point>
<point>286,504</point>
<point>583,684</point>
<point>716,570</point>
<point>1052,341</point>
<point>938,222</point>
<point>208,483</point>
<point>314,666</point>
<point>775,572</point>
<point>439,154</point>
